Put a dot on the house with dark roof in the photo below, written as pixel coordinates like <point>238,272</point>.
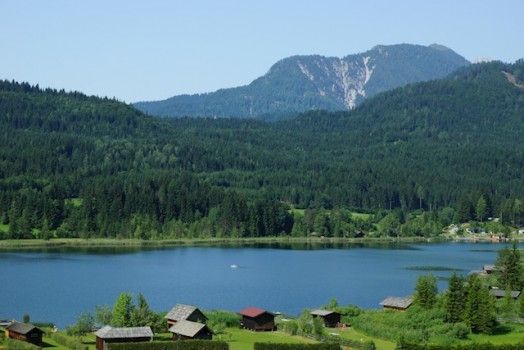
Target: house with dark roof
<point>25,332</point>
<point>397,303</point>
<point>257,319</point>
<point>184,312</point>
<point>330,318</point>
<point>108,334</point>
<point>183,330</point>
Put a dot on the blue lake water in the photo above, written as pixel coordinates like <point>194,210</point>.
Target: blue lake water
<point>57,286</point>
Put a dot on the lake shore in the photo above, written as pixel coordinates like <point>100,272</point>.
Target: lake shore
<point>166,243</point>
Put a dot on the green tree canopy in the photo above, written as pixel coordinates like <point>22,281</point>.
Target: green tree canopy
<point>426,291</point>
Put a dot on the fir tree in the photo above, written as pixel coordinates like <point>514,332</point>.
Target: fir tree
<point>454,299</point>
<point>122,310</point>
<point>426,291</point>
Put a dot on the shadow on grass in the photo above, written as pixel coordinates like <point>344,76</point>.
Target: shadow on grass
<point>47,345</point>
<point>502,329</point>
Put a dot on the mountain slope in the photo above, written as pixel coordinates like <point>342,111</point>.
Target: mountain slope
<point>89,166</point>
<point>301,83</point>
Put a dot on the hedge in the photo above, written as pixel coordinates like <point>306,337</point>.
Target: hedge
<point>474,346</point>
<point>275,346</point>
<point>68,342</point>
<point>172,345</point>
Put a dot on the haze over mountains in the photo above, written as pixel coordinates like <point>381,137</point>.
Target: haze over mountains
<point>301,83</point>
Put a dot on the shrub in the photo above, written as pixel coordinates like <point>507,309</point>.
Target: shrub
<point>226,318</point>
<point>172,345</point>
<point>275,346</point>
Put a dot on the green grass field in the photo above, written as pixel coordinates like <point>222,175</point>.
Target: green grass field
<point>240,339</point>
<point>351,334</point>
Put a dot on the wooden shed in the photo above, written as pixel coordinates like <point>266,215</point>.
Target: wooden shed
<point>330,318</point>
<point>397,303</point>
<point>257,319</point>
<point>501,293</point>
<point>184,330</point>
<point>25,332</point>
<point>110,334</point>
<point>184,312</point>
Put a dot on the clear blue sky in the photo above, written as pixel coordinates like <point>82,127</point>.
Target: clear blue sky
<point>154,49</point>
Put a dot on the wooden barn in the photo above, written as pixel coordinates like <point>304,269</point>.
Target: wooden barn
<point>110,334</point>
<point>257,319</point>
<point>397,303</point>
<point>330,318</point>
<point>184,330</point>
<point>184,312</point>
<point>25,332</point>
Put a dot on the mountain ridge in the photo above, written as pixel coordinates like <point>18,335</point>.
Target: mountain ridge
<point>304,82</point>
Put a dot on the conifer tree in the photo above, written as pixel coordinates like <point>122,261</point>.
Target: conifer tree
<point>454,299</point>
<point>426,291</point>
<point>510,273</point>
<point>122,310</point>
<point>479,313</point>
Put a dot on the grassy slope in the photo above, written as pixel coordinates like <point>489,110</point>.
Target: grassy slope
<point>244,340</point>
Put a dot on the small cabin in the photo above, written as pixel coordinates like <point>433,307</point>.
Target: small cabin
<point>25,332</point>
<point>184,312</point>
<point>501,293</point>
<point>396,303</point>
<point>489,269</point>
<point>184,330</point>
<point>108,334</point>
<point>330,318</point>
<point>257,319</point>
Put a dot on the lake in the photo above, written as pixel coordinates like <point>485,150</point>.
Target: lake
<point>58,285</point>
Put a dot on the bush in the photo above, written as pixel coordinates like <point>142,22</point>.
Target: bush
<point>275,346</point>
<point>226,318</point>
<point>172,345</point>
<point>474,346</point>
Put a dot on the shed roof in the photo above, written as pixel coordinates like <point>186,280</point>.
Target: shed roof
<point>187,328</point>
<point>109,332</point>
<point>21,328</point>
<point>253,312</point>
<point>181,312</point>
<point>397,302</point>
<point>501,293</point>
<point>321,312</point>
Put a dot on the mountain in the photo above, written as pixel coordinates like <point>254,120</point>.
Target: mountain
<point>96,167</point>
<point>302,83</point>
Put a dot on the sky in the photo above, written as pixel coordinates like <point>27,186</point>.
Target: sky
<point>153,49</point>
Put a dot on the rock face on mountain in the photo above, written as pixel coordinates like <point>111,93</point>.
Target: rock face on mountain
<point>302,83</point>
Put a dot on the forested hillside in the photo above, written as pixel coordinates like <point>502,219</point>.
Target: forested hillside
<point>302,83</point>
<point>72,165</point>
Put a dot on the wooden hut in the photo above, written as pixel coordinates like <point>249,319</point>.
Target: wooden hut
<point>501,293</point>
<point>257,319</point>
<point>184,312</point>
<point>109,334</point>
<point>396,303</point>
<point>25,332</point>
<point>330,318</point>
<point>184,330</point>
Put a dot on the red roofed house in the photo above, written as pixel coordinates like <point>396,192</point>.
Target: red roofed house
<point>257,319</point>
